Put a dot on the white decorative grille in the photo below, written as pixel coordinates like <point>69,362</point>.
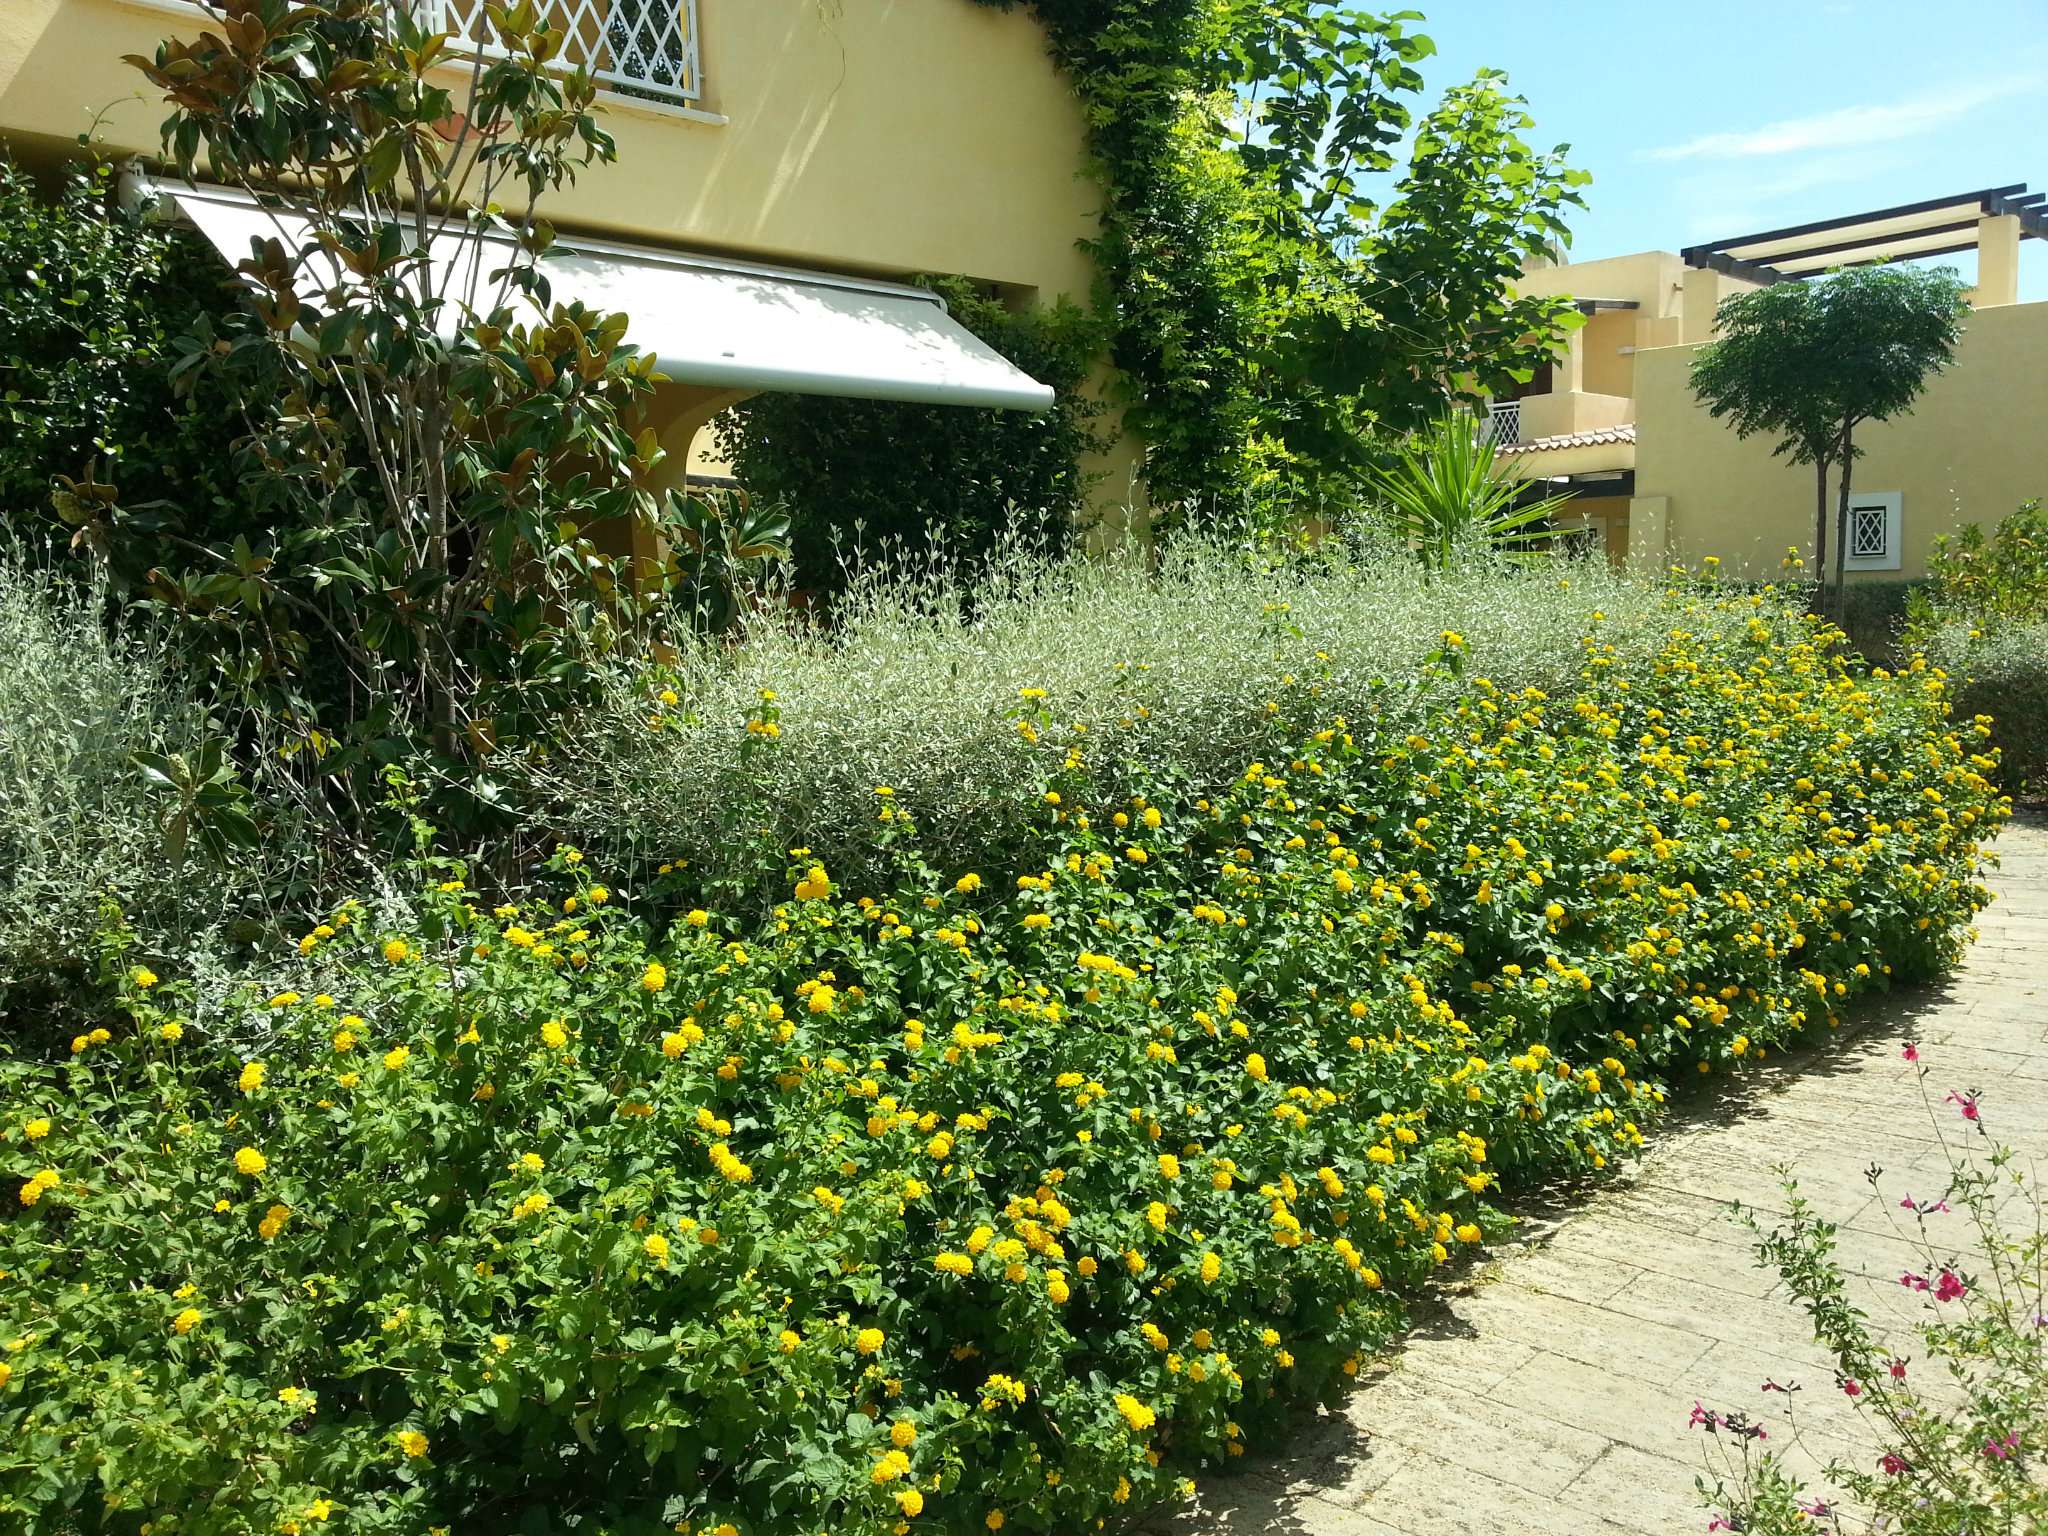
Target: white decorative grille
<point>1504,423</point>
<point>635,47</point>
<point>1869,534</point>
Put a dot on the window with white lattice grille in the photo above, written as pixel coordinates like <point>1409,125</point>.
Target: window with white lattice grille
<point>1872,535</point>
<point>649,46</point>
<point>645,49</point>
<point>642,48</point>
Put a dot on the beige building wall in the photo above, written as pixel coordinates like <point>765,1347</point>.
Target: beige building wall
<point>1652,279</point>
<point>916,136</point>
<point>1609,339</point>
<point>1975,447</point>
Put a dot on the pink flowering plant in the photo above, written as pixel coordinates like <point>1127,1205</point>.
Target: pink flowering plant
<point>1961,1412</point>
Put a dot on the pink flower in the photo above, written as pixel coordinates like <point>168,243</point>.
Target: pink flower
<point>1925,1208</point>
<point>1966,1102</point>
<point>1913,1282</point>
<point>1702,1415</point>
<point>1911,1052</point>
<point>1951,1287</point>
<point>1893,1464</point>
<point>1851,1387</point>
<point>2003,1447</point>
<point>1898,1370</point>
<point>1819,1509</point>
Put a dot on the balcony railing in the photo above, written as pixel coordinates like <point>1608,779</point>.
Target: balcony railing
<point>1504,423</point>
<point>644,48</point>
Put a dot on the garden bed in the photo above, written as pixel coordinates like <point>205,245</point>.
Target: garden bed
<point>976,1194</point>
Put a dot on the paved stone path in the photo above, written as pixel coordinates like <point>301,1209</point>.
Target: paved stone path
<point>1549,1394</point>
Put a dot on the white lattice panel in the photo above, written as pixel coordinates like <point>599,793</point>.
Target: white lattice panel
<point>1504,423</point>
<point>638,47</point>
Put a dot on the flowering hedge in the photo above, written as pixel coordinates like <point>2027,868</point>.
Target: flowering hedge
<point>996,1198</point>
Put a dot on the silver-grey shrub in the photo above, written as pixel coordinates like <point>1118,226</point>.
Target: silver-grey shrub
<point>75,817</point>
<point>1187,664</point>
<point>78,822</point>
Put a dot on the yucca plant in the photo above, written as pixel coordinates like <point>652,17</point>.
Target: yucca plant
<point>1447,490</point>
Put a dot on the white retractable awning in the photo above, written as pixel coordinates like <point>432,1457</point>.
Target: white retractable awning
<point>726,324</point>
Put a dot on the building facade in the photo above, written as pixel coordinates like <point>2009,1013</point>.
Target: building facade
<point>1656,480</point>
<point>857,145</point>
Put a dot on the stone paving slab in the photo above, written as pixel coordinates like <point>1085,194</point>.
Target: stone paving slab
<point>1550,1397</point>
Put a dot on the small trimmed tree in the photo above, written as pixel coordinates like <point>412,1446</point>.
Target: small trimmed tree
<point>1808,363</point>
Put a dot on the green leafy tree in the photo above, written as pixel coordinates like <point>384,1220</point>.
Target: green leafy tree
<point>1809,363</point>
<point>1413,308</point>
<point>1270,319</point>
<point>447,434</point>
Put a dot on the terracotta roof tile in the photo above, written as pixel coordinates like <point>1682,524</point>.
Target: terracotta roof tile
<point>1625,433</point>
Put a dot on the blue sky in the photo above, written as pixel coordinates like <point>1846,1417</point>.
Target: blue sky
<point>1700,121</point>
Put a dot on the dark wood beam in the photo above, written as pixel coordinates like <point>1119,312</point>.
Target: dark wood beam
<point>1877,216</point>
<point>2033,218</point>
<point>1749,271</point>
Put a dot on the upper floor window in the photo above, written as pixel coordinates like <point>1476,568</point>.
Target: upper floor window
<point>640,48</point>
<point>643,48</point>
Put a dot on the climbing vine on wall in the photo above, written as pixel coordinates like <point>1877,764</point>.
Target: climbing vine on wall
<point>1178,333</point>
<point>1269,319</point>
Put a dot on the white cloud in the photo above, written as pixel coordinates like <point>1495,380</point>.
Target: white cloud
<point>1846,127</point>
<point>1719,199</point>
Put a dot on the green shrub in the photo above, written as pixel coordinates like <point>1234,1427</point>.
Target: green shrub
<point>2004,576</point>
<point>1873,614</point>
<point>1177,666</point>
<point>1004,1194</point>
<point>858,476</point>
<point>77,820</point>
<point>91,301</point>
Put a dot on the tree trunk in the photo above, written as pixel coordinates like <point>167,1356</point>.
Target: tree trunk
<point>1820,525</point>
<point>1842,533</point>
<point>434,433</point>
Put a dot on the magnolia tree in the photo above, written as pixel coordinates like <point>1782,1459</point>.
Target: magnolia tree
<point>1809,363</point>
<point>431,434</point>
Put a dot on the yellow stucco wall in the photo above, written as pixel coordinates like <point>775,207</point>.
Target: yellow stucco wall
<point>1651,278</point>
<point>1608,369</point>
<point>1975,447</point>
<point>882,136</point>
<point>1575,410</point>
